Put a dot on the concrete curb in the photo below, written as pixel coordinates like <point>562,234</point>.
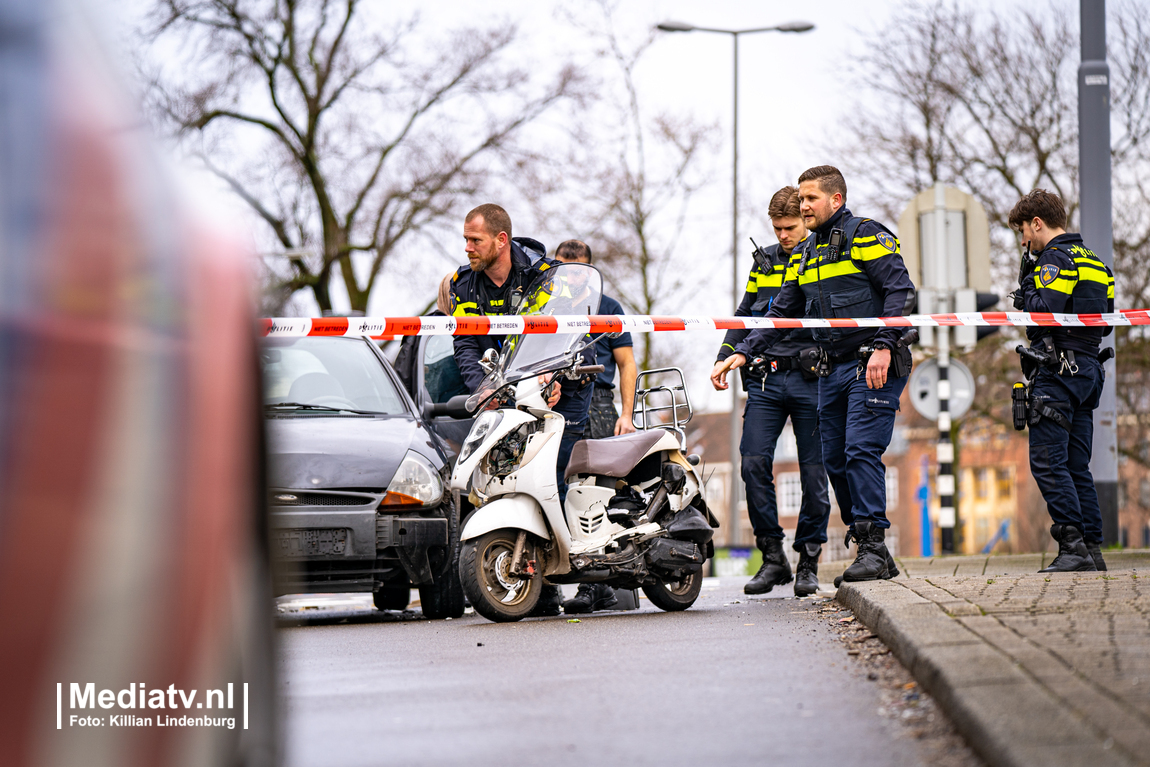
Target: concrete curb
<point>1010,718</point>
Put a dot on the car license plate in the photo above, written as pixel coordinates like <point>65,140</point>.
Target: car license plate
<point>310,543</point>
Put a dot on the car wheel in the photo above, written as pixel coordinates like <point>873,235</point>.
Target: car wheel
<point>392,597</point>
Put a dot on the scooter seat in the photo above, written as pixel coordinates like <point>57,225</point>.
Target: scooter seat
<point>613,456</point>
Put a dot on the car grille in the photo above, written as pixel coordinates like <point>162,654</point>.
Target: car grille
<point>286,498</point>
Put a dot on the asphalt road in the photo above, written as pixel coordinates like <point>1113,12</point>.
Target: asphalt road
<point>734,680</point>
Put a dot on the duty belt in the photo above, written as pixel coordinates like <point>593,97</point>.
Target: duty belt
<point>838,359</point>
<point>780,364</point>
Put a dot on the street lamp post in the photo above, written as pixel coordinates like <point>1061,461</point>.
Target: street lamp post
<point>678,26</point>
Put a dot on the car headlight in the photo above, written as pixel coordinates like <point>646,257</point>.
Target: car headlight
<point>416,483</point>
<point>479,430</point>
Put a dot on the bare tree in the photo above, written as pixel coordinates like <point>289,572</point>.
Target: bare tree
<point>998,116</point>
<point>636,176</point>
<point>343,138</point>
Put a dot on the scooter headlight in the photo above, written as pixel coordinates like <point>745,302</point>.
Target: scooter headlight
<point>483,426</point>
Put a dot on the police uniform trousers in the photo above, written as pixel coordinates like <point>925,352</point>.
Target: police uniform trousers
<point>603,413</point>
<point>1060,459</point>
<point>769,402</point>
<point>572,433</point>
<point>856,424</point>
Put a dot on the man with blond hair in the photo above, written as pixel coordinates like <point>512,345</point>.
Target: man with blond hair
<point>777,388</point>
<point>848,267</point>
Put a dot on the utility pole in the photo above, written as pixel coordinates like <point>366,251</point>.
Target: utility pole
<point>1098,235</point>
<point>736,276</point>
<point>947,519</point>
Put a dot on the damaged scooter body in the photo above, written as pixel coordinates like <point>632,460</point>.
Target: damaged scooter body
<point>635,515</point>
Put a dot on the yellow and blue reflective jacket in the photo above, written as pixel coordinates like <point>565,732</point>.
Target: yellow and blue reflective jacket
<point>763,286</point>
<point>1069,278</point>
<point>868,279</point>
<point>473,294</point>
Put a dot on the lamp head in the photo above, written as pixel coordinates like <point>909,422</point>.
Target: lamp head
<point>796,26</point>
<point>675,26</point>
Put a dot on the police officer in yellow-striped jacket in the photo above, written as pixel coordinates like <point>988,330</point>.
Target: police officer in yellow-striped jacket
<point>778,388</point>
<point>849,267</point>
<point>1064,277</point>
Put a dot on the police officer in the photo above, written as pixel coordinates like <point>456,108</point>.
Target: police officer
<point>847,267</point>
<point>613,354</point>
<point>603,421</point>
<point>1064,277</point>
<point>498,273</point>
<point>777,388</point>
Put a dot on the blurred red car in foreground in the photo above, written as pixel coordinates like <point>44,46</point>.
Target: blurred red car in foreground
<point>132,537</point>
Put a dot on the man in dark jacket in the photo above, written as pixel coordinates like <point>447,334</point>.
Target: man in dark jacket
<point>848,267</point>
<point>493,282</point>
<point>777,389</point>
<point>1064,277</point>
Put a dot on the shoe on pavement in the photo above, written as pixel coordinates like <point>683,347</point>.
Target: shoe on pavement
<point>776,570</point>
<point>807,572</point>
<point>1072,553</point>
<point>871,560</point>
<point>589,598</point>
<point>548,604</point>
<point>1095,550</point>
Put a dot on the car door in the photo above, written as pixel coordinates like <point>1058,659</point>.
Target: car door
<point>426,366</point>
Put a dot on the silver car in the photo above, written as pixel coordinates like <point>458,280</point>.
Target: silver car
<point>356,478</point>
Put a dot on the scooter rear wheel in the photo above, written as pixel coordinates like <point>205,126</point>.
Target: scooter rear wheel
<point>484,572</point>
<point>675,595</point>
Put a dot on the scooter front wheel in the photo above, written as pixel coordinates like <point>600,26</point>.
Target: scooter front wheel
<point>675,595</point>
<point>485,573</point>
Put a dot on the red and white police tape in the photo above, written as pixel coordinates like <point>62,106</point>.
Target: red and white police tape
<point>390,327</point>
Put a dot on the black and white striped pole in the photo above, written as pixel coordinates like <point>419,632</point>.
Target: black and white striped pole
<point>945,482</point>
<point>947,518</point>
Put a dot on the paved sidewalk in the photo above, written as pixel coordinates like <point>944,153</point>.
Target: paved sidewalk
<point>1032,669</point>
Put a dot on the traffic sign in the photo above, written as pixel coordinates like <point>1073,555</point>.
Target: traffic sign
<point>924,389</point>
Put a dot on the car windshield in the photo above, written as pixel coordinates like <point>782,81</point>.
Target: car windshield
<point>565,289</point>
<point>317,374</point>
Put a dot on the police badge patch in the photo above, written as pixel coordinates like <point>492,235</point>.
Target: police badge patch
<point>887,242</point>
<point>1047,275</point>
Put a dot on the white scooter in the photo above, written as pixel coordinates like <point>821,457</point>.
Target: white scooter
<point>634,515</point>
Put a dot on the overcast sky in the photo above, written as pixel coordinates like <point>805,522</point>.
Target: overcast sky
<point>791,87</point>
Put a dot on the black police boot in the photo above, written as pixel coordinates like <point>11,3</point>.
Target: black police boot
<point>871,561</point>
<point>549,601</point>
<point>776,570</point>
<point>589,598</point>
<point>891,568</point>
<point>1095,550</point>
<point>1072,554</point>
<point>807,572</point>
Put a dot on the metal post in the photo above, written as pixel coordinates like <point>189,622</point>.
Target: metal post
<point>736,416</point>
<point>1098,235</point>
<point>947,518</point>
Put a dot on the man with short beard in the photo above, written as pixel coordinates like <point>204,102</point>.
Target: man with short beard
<point>493,282</point>
<point>848,267</point>
<point>498,273</point>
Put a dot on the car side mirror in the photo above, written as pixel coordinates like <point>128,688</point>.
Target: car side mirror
<point>456,407</point>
